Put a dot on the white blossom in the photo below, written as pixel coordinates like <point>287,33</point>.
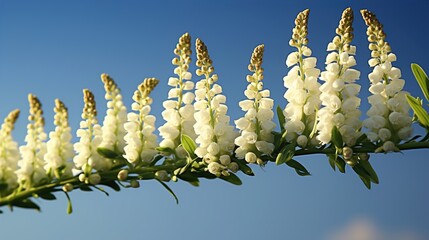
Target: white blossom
<point>87,157</point>
<point>179,109</point>
<point>59,147</point>
<point>389,120</point>
<point>215,137</point>
<point>140,139</point>
<point>113,131</point>
<point>301,83</point>
<point>340,103</point>
<point>256,126</point>
<point>9,154</point>
<point>31,171</point>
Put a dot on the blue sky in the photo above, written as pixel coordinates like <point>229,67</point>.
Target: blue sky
<point>54,49</point>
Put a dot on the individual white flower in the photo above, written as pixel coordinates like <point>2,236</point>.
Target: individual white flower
<point>140,139</point>
<point>9,154</point>
<point>215,137</point>
<point>89,134</point>
<point>59,147</point>
<point>259,114</point>
<point>339,92</point>
<point>388,121</point>
<point>302,91</point>
<point>113,131</point>
<point>31,171</point>
<point>179,111</point>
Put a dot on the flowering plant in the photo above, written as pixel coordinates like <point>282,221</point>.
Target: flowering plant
<point>198,139</point>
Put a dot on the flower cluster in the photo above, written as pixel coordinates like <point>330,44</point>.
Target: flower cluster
<point>9,154</point>
<point>388,119</point>
<point>339,90</point>
<point>140,139</point>
<point>59,147</point>
<point>256,126</point>
<point>302,87</point>
<point>113,131</point>
<point>179,111</point>
<point>31,170</point>
<point>215,137</point>
<point>87,157</point>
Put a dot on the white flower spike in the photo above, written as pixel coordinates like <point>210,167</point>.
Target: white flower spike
<point>256,126</point>
<point>302,87</point>
<point>9,154</point>
<point>339,90</point>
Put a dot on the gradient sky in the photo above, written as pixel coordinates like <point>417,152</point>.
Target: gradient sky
<point>54,49</point>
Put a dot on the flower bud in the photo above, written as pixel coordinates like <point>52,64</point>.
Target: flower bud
<point>134,184</point>
<point>250,157</point>
<point>94,179</point>
<point>122,175</point>
<point>162,175</point>
<point>68,187</point>
<point>347,153</point>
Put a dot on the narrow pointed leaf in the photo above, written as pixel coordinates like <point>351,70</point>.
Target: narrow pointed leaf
<point>363,174</point>
<point>232,178</point>
<point>169,190</point>
<point>107,153</point>
<point>189,145</point>
<point>244,167</point>
<point>112,184</point>
<point>370,170</point>
<point>337,139</point>
<point>26,203</point>
<point>422,115</point>
<point>422,79</point>
<point>331,158</point>
<point>341,164</point>
<point>299,168</point>
<point>47,196</point>
<point>281,118</point>
<point>191,179</point>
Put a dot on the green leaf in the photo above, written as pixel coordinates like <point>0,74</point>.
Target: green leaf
<point>69,204</point>
<point>422,115</point>
<point>363,174</point>
<point>85,188</point>
<point>47,196</point>
<point>422,79</point>
<point>341,164</point>
<point>331,158</point>
<point>244,167</point>
<point>107,153</point>
<point>169,190</point>
<point>187,177</point>
<point>155,160</point>
<point>361,138</point>
<point>101,190</point>
<point>286,154</point>
<point>165,150</point>
<point>232,178</point>
<point>337,139</point>
<point>26,203</point>
<point>189,145</point>
<point>281,118</point>
<point>300,169</point>
<point>370,170</point>
<point>112,184</point>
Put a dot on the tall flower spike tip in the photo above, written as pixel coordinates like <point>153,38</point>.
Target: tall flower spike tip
<point>256,126</point>
<point>89,133</point>
<point>389,121</point>
<point>215,137</point>
<point>31,171</point>
<point>59,146</point>
<point>140,139</point>
<point>9,154</point>
<point>116,115</point>
<point>179,111</point>
<point>302,87</point>
<point>339,90</point>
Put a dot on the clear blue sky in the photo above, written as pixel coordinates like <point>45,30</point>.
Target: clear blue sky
<point>54,49</point>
